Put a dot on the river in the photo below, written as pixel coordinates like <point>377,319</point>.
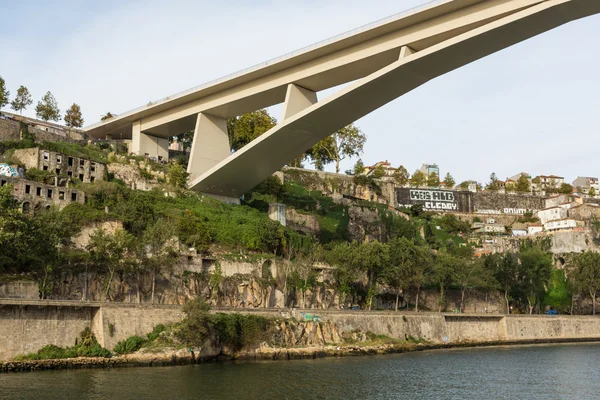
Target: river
<point>523,372</point>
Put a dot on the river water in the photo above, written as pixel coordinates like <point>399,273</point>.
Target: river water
<point>532,372</point>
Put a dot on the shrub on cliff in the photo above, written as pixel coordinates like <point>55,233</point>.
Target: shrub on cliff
<point>129,345</point>
<point>87,346</point>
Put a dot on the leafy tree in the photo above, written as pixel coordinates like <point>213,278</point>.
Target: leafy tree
<point>373,258</point>
<point>418,179</point>
<point>106,116</point>
<point>449,181</point>
<point>4,93</point>
<point>378,172</point>
<point>113,252</point>
<point>464,185</point>
<point>401,176</point>
<point>510,186</point>
<point>587,274</point>
<point>160,248</point>
<point>47,108</point>
<point>22,100</point>
<point>469,274</point>
<point>523,185</point>
<point>403,257</point>
<point>559,292</point>
<point>245,128</point>
<point>177,175</point>
<point>493,185</point>
<point>73,117</point>
<point>565,188</point>
<point>345,143</point>
<point>193,231</point>
<point>592,192</point>
<point>359,167</point>
<point>535,270</point>
<point>443,273</point>
<point>433,180</point>
<point>505,269</point>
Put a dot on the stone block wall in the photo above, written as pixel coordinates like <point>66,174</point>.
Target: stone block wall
<point>26,329</point>
<point>9,130</point>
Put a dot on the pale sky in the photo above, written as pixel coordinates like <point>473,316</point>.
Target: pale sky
<point>534,107</point>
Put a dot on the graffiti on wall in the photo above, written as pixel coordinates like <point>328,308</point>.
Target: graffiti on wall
<point>434,199</point>
<point>10,171</point>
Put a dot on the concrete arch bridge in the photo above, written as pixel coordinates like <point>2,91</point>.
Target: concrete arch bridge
<point>382,62</point>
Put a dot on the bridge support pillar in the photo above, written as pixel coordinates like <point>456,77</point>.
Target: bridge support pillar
<point>209,147</point>
<point>297,99</point>
<point>143,144</point>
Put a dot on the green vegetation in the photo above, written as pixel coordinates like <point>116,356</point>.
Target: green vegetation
<point>87,346</point>
<point>235,331</point>
<point>47,108</point>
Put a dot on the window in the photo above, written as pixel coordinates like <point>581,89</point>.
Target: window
<point>81,177</point>
<point>81,163</point>
<point>38,191</point>
<point>70,173</point>
<point>70,161</point>
<point>93,167</point>
<point>57,171</point>
<point>58,159</point>
<point>28,189</point>
<point>92,179</point>
<point>61,195</point>
<point>74,196</point>
<point>46,156</point>
<point>49,194</point>
<point>2,182</point>
<point>45,168</point>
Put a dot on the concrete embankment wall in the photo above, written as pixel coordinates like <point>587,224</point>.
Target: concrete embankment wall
<point>25,328</point>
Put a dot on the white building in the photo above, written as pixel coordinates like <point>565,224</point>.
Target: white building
<point>552,214</point>
<point>534,229</point>
<point>560,224</point>
<point>585,183</point>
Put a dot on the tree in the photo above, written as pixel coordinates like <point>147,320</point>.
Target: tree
<point>565,188</point>
<point>160,249</point>
<point>373,259</point>
<point>402,259</point>
<point>469,274</point>
<point>177,175</point>
<point>587,274</point>
<point>505,269</point>
<point>245,128</point>
<point>592,192</point>
<point>359,167</point>
<point>418,179</point>
<point>493,185</point>
<point>534,273</point>
<point>106,116</point>
<point>401,176</point>
<point>522,184</point>
<point>47,108</point>
<point>464,185</point>
<point>73,118</point>
<point>4,93</point>
<point>22,100</point>
<point>449,181</point>
<point>433,180</point>
<point>443,272</point>
<point>345,143</point>
<point>113,252</point>
<point>378,172</point>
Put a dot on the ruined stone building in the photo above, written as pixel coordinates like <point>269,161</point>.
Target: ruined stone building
<point>62,164</point>
<point>34,195</point>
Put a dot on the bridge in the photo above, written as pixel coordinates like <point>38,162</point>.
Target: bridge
<point>378,63</point>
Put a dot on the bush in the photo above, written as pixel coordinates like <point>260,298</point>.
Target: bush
<point>129,345</point>
<point>158,329</point>
<point>87,346</point>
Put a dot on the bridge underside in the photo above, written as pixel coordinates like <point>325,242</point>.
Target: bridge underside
<point>383,63</point>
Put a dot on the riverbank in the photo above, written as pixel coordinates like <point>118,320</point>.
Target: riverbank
<point>172,357</point>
